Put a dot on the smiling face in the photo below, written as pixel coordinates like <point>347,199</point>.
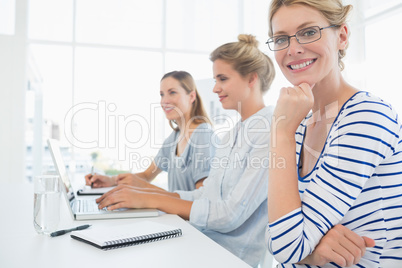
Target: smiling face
<point>230,86</point>
<point>309,63</point>
<point>175,101</point>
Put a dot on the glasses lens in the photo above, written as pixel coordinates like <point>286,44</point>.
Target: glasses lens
<point>308,35</point>
<point>278,42</point>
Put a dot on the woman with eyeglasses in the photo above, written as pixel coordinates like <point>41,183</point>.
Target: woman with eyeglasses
<point>187,152</point>
<point>346,173</point>
<point>231,207</point>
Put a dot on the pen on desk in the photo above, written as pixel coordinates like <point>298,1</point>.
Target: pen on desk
<point>62,232</point>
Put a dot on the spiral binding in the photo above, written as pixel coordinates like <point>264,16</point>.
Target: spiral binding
<point>127,242</point>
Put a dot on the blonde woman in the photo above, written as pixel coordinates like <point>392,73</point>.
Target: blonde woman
<point>348,148</point>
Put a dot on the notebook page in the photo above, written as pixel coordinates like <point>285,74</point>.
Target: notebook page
<point>102,235</point>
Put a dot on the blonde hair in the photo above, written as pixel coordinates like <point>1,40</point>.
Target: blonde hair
<point>246,58</point>
<point>332,10</point>
<point>197,113</point>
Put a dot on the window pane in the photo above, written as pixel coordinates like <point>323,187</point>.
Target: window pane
<point>373,7</point>
<point>256,20</point>
<point>48,99</point>
<point>384,61</point>
<point>7,17</point>
<point>117,106</point>
<point>256,23</point>
<point>198,65</point>
<point>51,20</point>
<point>54,67</point>
<point>201,24</point>
<point>120,22</point>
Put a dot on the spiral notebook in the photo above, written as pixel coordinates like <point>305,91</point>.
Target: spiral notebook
<point>126,235</point>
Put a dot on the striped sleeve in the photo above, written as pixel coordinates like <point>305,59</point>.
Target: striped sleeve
<point>362,136</point>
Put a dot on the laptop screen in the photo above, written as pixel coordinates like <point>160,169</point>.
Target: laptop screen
<point>54,148</point>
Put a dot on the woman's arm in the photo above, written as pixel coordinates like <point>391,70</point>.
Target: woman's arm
<point>283,192</point>
<point>125,196</point>
<point>141,179</point>
<point>341,246</point>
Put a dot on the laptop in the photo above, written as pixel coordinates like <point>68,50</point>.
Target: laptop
<point>87,208</point>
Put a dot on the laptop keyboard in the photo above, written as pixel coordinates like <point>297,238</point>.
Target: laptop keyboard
<point>86,205</point>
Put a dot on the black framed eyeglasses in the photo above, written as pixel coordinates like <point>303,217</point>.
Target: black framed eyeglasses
<point>303,36</point>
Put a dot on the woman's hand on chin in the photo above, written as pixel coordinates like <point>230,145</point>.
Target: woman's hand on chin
<point>293,105</point>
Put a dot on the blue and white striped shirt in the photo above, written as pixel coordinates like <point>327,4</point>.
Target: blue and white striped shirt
<point>357,182</point>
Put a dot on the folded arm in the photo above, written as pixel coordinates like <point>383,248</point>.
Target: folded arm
<point>340,246</point>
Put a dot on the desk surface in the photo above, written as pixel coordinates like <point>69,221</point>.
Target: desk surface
<point>21,246</point>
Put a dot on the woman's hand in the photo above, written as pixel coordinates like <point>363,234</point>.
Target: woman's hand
<point>126,196</point>
<point>293,105</point>
<point>123,196</point>
<point>341,246</point>
<point>132,179</point>
<point>98,181</point>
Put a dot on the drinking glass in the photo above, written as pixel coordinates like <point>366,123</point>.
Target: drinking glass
<point>46,203</point>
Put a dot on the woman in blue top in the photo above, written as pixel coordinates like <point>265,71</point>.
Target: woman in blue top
<point>231,207</point>
<point>347,168</point>
<point>186,153</point>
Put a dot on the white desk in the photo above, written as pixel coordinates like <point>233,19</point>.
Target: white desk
<point>21,246</point>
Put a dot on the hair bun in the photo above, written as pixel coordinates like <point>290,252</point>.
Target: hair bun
<point>248,39</point>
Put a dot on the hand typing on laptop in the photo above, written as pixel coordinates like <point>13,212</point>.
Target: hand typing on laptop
<point>98,181</point>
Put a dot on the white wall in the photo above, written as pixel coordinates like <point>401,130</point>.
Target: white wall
<point>12,98</point>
